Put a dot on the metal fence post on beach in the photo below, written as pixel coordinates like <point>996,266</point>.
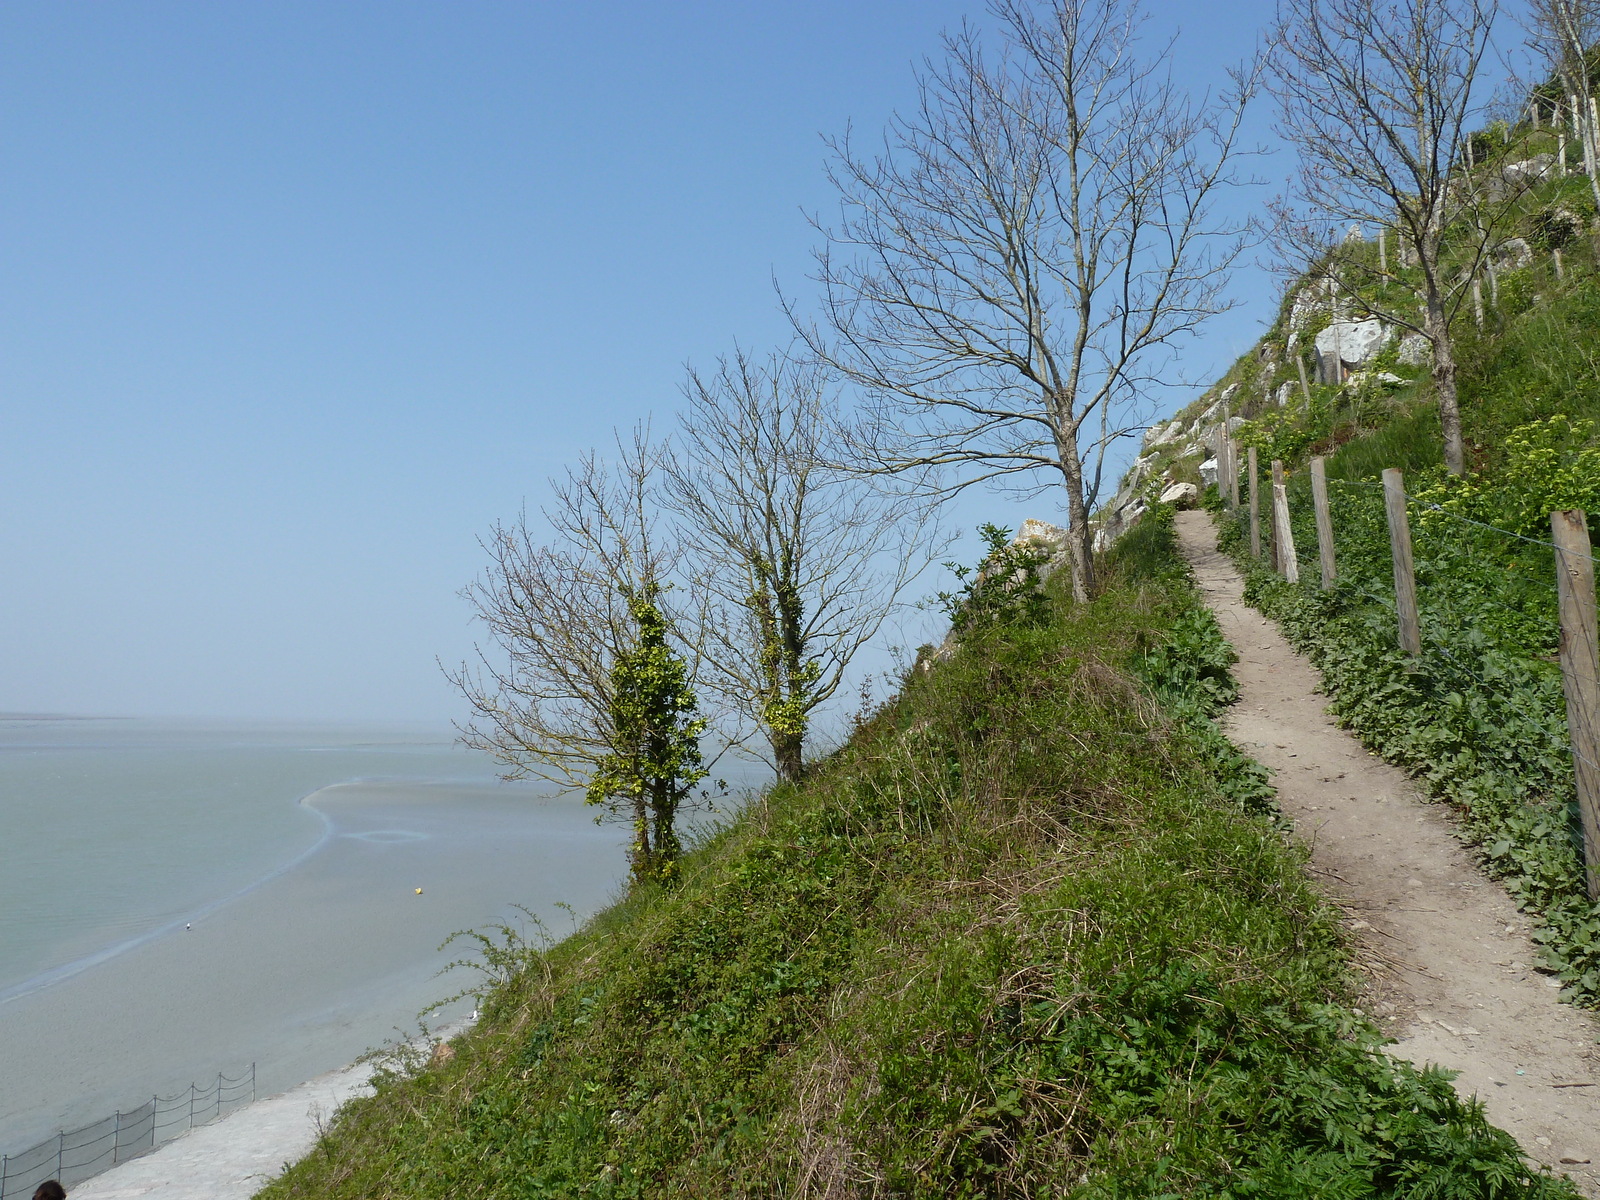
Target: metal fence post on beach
<point>115,1139</point>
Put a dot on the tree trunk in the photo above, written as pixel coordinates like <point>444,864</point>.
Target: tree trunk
<point>639,851</point>
<point>1080,541</point>
<point>1444,382</point>
<point>664,811</point>
<point>787,753</point>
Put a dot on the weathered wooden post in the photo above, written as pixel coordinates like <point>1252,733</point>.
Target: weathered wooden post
<point>1222,455</point>
<point>1282,535</point>
<point>1580,664</point>
<point>1305,387</point>
<point>1405,571</point>
<point>1383,250</point>
<point>1319,499</point>
<point>1255,504</point>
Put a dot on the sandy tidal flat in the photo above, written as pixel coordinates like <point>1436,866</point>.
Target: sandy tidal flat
<point>309,969</point>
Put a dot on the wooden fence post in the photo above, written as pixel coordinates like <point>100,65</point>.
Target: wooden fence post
<point>1580,665</point>
<point>1282,536</point>
<point>1319,499</point>
<point>1305,387</point>
<point>1405,571</point>
<point>1255,504</point>
<point>1222,455</point>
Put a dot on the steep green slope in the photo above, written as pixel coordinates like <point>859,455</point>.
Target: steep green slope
<point>1032,932</point>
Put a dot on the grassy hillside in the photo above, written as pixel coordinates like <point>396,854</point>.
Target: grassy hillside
<point>1033,932</point>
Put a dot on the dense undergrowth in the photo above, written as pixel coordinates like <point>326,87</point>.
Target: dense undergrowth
<point>1033,932</point>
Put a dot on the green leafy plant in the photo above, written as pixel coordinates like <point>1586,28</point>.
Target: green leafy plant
<point>1018,938</point>
<point>1003,589</point>
<point>653,711</point>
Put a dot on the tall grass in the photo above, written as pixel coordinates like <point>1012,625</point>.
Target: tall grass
<point>1030,933</point>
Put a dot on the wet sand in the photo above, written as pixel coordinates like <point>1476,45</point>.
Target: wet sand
<point>312,967</point>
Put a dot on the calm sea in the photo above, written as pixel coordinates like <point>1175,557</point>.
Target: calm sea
<point>111,830</point>
<point>178,899</point>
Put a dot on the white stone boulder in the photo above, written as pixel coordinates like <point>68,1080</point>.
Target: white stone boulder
<point>1529,170</point>
<point>1160,435</point>
<point>1355,342</point>
<point>1208,471</point>
<point>1285,390</point>
<point>1181,494</point>
<point>1512,254</point>
<point>1041,531</point>
<point>1415,351</point>
<point>1383,379</point>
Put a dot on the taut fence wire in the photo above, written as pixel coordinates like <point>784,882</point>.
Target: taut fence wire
<point>1437,629</point>
<point>74,1155</point>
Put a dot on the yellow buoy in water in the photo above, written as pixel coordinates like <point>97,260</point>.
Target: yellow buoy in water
<point>419,891</point>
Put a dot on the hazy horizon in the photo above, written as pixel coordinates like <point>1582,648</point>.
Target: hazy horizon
<point>300,300</point>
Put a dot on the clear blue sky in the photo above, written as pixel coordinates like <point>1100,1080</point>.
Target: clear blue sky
<point>297,299</point>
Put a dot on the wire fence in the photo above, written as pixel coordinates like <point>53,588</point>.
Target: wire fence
<point>1423,566</point>
<point>74,1155</point>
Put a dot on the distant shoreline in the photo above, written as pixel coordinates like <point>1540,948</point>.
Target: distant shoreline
<point>5,716</point>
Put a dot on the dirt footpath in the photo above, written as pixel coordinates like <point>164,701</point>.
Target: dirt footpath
<point>1450,958</point>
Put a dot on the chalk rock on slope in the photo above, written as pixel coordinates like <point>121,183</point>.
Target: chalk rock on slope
<point>1355,342</point>
<point>1530,170</point>
<point>1181,494</point>
<point>1415,351</point>
<point>1052,536</point>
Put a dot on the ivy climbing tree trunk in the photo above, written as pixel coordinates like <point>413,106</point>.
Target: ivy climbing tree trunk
<point>800,562</point>
<point>656,731</point>
<point>586,681</point>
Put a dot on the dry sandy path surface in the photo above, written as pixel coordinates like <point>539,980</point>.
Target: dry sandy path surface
<point>1452,979</point>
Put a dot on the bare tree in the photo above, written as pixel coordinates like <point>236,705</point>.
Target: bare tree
<point>582,686</point>
<point>1561,32</point>
<point>1379,98</point>
<point>801,561</point>
<point>1012,271</point>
